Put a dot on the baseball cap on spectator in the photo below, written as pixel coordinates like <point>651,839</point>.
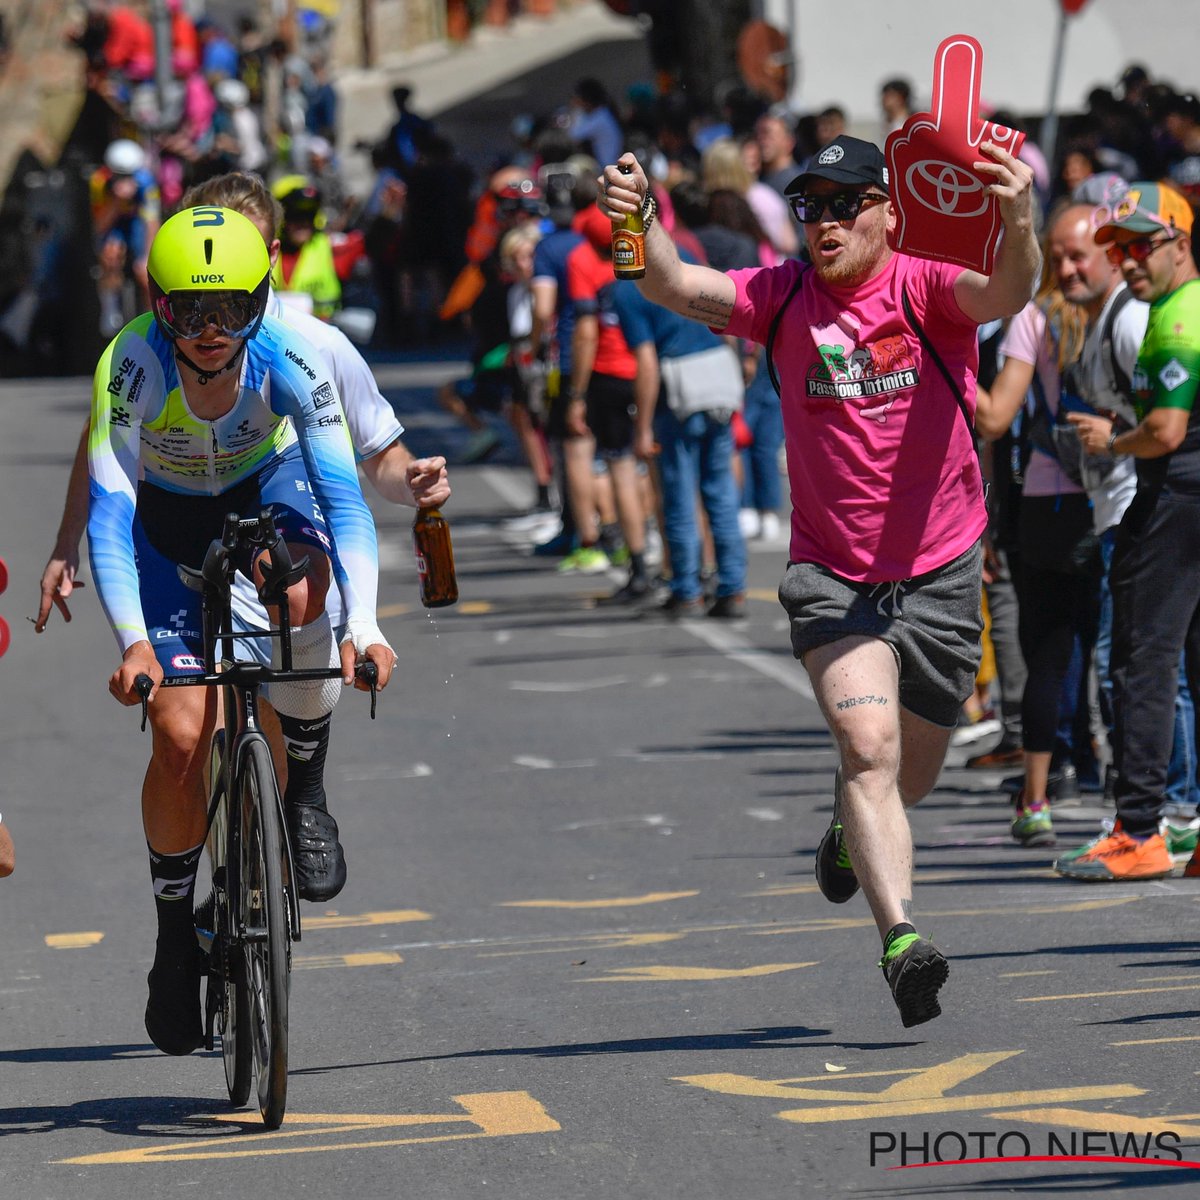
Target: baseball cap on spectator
<point>1148,208</point>
<point>124,157</point>
<point>845,160</point>
<point>1105,188</point>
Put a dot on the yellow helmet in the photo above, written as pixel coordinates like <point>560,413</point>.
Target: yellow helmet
<point>208,267</point>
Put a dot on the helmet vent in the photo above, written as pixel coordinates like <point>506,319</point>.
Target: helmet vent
<point>208,251</point>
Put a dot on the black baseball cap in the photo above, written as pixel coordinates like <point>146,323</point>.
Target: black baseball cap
<point>845,160</point>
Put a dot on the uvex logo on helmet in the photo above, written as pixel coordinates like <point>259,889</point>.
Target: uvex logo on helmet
<point>208,278</point>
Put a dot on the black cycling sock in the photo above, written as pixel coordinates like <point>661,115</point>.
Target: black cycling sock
<point>637,566</point>
<point>895,932</point>
<point>307,742</point>
<point>174,878</point>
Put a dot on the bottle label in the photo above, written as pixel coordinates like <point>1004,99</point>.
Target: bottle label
<point>629,251</point>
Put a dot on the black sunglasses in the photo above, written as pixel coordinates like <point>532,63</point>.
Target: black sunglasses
<point>844,206</point>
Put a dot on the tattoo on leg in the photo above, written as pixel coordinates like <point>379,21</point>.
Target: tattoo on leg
<point>906,906</point>
<point>855,701</point>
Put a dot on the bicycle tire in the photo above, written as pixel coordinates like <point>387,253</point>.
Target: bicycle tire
<point>267,954</point>
<point>226,973</point>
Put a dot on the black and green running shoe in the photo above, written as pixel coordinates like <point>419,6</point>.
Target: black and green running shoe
<point>835,872</point>
<point>915,970</point>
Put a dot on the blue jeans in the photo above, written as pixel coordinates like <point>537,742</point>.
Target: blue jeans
<point>1182,788</point>
<point>760,461</point>
<point>698,452</point>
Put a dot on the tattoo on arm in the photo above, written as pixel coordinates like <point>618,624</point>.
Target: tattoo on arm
<point>855,701</point>
<point>710,308</point>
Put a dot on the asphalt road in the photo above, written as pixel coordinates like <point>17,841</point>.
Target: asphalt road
<point>581,953</point>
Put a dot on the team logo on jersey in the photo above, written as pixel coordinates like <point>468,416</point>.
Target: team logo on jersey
<point>323,396</point>
<point>323,538</point>
<point>294,357</point>
<point>186,662</point>
<point>120,416</point>
<point>332,419</point>
<point>1173,375</point>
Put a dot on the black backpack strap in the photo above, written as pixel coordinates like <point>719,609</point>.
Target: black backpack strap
<point>1120,377</point>
<point>923,338</point>
<point>774,330</point>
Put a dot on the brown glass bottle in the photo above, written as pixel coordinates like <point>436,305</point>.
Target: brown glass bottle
<point>435,558</point>
<point>629,244</point>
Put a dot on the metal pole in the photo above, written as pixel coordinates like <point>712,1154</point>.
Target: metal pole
<point>1050,124</point>
<point>161,22</point>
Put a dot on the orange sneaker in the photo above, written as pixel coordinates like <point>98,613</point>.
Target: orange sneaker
<point>1119,858</point>
<point>1192,870</point>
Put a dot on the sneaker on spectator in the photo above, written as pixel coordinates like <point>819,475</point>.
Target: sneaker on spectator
<point>1108,826</point>
<point>769,527</point>
<point>1061,784</point>
<point>654,547</point>
<point>560,544</point>
<point>1182,837</point>
<point>970,730</point>
<point>634,591</point>
<point>676,608</point>
<point>1004,754</point>
<point>1119,858</point>
<point>533,519</point>
<point>749,522</point>
<point>1192,870</point>
<point>1031,825</point>
<point>587,560</point>
<point>727,608</point>
<point>479,445</point>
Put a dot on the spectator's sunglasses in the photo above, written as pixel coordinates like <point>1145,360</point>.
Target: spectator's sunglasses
<point>188,314</point>
<point>844,206</point>
<point>1139,249</point>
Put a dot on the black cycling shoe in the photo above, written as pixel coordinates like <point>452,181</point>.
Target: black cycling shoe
<point>173,1008</point>
<point>316,851</point>
<point>835,872</point>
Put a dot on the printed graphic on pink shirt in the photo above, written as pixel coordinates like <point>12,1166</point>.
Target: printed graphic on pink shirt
<point>871,373</point>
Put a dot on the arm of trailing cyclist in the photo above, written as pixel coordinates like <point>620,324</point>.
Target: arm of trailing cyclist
<point>127,380</point>
<point>402,479</point>
<point>138,660</point>
<point>58,579</point>
<point>315,409</point>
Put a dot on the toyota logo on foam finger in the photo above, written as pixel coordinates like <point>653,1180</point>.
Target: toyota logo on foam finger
<point>947,189</point>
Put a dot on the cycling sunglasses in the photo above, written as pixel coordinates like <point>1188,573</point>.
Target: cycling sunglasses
<point>843,206</point>
<point>189,314</point>
<point>1139,249</point>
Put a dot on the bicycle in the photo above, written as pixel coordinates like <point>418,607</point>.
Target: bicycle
<point>255,916</point>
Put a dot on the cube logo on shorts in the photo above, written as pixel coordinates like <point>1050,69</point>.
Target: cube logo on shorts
<point>323,396</point>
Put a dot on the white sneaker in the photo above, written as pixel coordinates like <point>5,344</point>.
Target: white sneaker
<point>749,522</point>
<point>654,547</point>
<point>769,527</point>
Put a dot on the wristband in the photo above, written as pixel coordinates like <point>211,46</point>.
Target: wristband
<point>649,209</point>
<point>1112,438</point>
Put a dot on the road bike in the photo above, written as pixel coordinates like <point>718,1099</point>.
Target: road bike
<point>248,928</point>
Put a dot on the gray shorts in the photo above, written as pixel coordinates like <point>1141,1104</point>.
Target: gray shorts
<point>933,623</point>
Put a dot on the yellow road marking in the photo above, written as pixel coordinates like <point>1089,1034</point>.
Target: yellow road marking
<point>1108,1122</point>
<point>1137,991</point>
<point>392,610</point>
<point>359,920</point>
<point>665,973</point>
<point>372,958</point>
<point>612,902</point>
<point>922,1092</point>
<point>473,608</point>
<point>1191,1037</point>
<point>494,1114</point>
<point>72,941</point>
<point>1024,974</point>
<point>602,941</point>
<point>762,594</point>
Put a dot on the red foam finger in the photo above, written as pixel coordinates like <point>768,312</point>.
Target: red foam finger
<point>5,636</point>
<point>957,75</point>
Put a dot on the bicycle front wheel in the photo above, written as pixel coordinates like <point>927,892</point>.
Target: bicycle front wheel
<point>267,935</point>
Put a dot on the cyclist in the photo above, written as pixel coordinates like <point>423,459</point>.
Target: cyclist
<point>202,407</point>
<point>395,474</point>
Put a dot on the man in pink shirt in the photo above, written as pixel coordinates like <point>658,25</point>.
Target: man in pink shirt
<point>877,355</point>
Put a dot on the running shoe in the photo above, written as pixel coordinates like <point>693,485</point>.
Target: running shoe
<point>316,852</point>
<point>173,1005</point>
<point>727,608</point>
<point>1181,838</point>
<point>1108,826</point>
<point>480,445</point>
<point>834,870</point>
<point>1119,858</point>
<point>636,590</point>
<point>1031,825</point>
<point>915,970</point>
<point>587,560</point>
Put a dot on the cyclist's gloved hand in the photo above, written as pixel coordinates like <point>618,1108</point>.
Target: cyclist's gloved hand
<point>139,660</point>
<point>362,641</point>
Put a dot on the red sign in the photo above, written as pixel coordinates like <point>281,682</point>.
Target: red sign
<point>1073,6</point>
<point>942,209</point>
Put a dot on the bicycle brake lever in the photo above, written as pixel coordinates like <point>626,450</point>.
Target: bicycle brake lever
<point>144,685</point>
<point>369,674</point>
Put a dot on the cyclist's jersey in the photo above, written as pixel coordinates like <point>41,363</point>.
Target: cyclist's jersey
<point>1168,376</point>
<point>143,428</point>
<point>370,418</point>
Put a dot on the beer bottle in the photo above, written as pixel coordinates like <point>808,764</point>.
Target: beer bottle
<point>629,243</point>
<point>435,558</point>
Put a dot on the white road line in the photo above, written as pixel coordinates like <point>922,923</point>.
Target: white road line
<point>787,672</point>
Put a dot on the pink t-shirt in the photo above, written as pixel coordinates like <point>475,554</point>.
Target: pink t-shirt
<point>1025,340</point>
<point>884,477</point>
